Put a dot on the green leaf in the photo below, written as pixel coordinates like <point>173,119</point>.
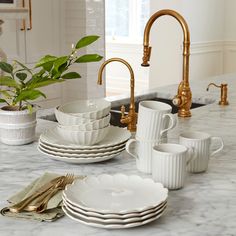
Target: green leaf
<point>71,75</point>
<point>59,62</point>
<point>46,59</point>
<point>30,94</point>
<point>6,67</point>
<point>21,76</point>
<point>8,81</point>
<point>89,58</point>
<point>86,41</point>
<point>45,83</point>
<point>2,100</point>
<point>23,66</point>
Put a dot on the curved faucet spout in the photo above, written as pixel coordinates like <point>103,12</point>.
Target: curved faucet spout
<point>184,97</point>
<point>131,118</point>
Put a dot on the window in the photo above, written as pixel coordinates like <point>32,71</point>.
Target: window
<point>125,20</point>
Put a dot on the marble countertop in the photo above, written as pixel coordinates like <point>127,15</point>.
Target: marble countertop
<point>206,206</point>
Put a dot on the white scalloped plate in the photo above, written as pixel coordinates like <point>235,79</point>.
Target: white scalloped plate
<point>79,160</point>
<point>114,221</point>
<point>115,136</point>
<point>81,151</point>
<point>112,226</point>
<point>118,218</point>
<point>116,194</point>
<point>84,155</point>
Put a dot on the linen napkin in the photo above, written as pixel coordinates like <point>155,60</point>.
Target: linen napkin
<point>54,210</point>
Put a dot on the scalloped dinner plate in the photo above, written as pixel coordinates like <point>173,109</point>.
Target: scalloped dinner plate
<point>112,225</point>
<point>115,136</point>
<point>80,160</point>
<point>118,218</point>
<point>118,194</point>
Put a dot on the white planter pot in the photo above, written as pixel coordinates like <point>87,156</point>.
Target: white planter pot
<point>17,127</point>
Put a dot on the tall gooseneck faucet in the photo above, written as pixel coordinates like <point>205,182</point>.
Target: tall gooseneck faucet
<point>131,118</point>
<point>183,99</point>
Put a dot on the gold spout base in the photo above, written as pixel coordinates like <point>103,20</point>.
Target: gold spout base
<point>184,113</point>
<point>223,103</point>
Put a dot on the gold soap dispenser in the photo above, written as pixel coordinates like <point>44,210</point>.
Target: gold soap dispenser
<point>223,95</point>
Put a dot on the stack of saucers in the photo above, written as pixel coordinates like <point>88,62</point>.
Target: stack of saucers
<point>115,201</point>
<point>83,133</point>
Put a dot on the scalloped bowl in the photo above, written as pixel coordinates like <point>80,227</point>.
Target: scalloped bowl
<point>82,138</point>
<point>89,126</point>
<point>91,108</point>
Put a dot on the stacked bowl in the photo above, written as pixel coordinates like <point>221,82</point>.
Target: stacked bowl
<point>84,122</point>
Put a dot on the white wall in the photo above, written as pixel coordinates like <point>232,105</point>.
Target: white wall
<point>81,18</point>
<point>230,37</point>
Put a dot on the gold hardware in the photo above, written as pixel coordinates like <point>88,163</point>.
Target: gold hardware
<point>18,207</point>
<point>183,99</point>
<point>223,93</point>
<point>30,15</point>
<point>42,206</point>
<point>131,118</point>
<point>23,21</point>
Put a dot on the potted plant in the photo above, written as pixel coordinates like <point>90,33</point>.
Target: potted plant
<point>20,85</point>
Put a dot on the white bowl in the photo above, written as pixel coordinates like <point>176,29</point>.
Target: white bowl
<point>66,119</point>
<point>89,126</point>
<point>82,138</point>
<point>91,109</point>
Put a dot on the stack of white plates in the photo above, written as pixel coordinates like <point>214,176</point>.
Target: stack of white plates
<point>54,145</point>
<point>115,202</point>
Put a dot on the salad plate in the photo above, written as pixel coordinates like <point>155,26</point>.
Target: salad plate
<point>116,194</point>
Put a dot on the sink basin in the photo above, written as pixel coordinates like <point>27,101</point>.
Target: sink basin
<point>116,114</point>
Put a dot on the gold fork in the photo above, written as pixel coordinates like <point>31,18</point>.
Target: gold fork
<point>41,206</point>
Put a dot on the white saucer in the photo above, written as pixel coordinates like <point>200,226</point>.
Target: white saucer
<point>115,136</point>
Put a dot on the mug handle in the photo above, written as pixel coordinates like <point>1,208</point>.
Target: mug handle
<point>221,146</point>
<point>127,148</point>
<point>192,155</point>
<point>173,122</point>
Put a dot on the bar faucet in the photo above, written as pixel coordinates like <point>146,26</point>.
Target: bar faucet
<point>131,118</point>
<point>183,99</point>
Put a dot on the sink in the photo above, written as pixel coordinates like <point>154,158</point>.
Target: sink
<point>116,114</point>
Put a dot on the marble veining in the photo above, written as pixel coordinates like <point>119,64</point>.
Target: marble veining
<point>206,206</point>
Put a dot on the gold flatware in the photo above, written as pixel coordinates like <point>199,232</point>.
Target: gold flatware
<point>18,207</point>
<point>42,206</point>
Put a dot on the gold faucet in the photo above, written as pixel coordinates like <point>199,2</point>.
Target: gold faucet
<point>223,95</point>
<point>131,118</point>
<point>183,99</point>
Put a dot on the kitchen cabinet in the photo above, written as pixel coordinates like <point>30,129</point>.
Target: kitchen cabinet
<point>28,40</point>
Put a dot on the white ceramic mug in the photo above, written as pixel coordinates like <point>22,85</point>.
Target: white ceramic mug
<point>201,142</point>
<point>154,120</point>
<point>142,151</point>
<point>169,162</point>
